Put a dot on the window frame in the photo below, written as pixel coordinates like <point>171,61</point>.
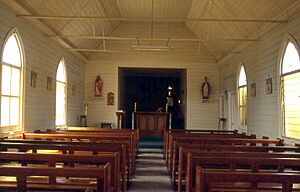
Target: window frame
<point>61,61</point>
<point>12,129</point>
<point>242,66</point>
<point>288,39</point>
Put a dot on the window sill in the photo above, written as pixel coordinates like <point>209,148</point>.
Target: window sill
<point>10,134</point>
<point>61,127</point>
<point>290,141</point>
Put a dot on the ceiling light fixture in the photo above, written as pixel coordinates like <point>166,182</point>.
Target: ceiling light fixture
<point>152,48</point>
<point>140,47</point>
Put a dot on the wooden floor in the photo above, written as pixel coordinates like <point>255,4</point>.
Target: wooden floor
<point>151,173</point>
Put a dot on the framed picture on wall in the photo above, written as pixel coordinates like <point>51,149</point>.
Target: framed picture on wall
<point>33,79</point>
<point>269,86</point>
<point>253,89</point>
<point>49,84</point>
<point>110,98</point>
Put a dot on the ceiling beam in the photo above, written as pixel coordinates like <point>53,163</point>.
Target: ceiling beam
<point>148,38</point>
<point>48,26</point>
<point>147,19</point>
<point>131,50</point>
<point>77,13</point>
<point>229,15</point>
<point>99,50</point>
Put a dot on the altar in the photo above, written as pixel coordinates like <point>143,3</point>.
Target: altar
<point>151,123</point>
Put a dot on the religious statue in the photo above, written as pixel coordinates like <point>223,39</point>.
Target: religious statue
<point>205,89</point>
<point>170,97</point>
<point>98,86</point>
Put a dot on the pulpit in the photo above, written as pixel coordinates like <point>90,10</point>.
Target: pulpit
<point>151,123</point>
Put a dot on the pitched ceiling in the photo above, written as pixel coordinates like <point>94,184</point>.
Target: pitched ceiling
<point>218,25</point>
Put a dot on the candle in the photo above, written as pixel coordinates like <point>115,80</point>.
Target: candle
<point>85,109</point>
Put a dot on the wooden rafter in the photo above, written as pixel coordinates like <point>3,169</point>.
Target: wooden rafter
<point>149,38</point>
<point>47,25</point>
<point>132,50</point>
<point>78,12</point>
<point>149,19</point>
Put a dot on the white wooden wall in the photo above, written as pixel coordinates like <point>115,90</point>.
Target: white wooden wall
<point>43,55</point>
<point>261,60</point>
<point>199,63</point>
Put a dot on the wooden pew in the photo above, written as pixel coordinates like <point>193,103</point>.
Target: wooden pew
<point>107,143</point>
<point>249,163</point>
<point>135,132</point>
<point>101,174</point>
<point>206,181</point>
<point>167,132</point>
<point>173,149</point>
<point>173,155</point>
<point>53,160</point>
<point>96,129</point>
<point>134,141</point>
<point>175,136</point>
<point>71,148</point>
<point>91,137</point>
<point>179,165</point>
<point>88,136</point>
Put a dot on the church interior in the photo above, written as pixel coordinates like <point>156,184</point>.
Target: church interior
<point>150,95</point>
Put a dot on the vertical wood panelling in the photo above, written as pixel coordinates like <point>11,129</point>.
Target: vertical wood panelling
<point>261,61</point>
<point>43,55</point>
<point>198,65</point>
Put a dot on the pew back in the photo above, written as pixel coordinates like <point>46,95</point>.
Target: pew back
<point>71,148</point>
<point>58,160</point>
<point>207,181</point>
<point>250,164</point>
<point>101,174</point>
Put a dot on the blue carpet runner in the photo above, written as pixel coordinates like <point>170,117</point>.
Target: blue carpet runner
<point>154,142</point>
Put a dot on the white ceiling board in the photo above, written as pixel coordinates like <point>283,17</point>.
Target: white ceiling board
<point>163,9</point>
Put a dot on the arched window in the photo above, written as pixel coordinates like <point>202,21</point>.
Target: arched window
<point>290,90</point>
<point>242,91</point>
<point>11,83</point>
<point>61,81</point>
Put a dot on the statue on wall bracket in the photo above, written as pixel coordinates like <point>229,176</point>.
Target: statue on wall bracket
<point>98,86</point>
<point>205,90</point>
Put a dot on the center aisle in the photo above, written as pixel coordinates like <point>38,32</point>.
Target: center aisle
<point>151,173</point>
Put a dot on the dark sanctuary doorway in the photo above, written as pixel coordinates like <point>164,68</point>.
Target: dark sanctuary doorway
<point>146,90</point>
